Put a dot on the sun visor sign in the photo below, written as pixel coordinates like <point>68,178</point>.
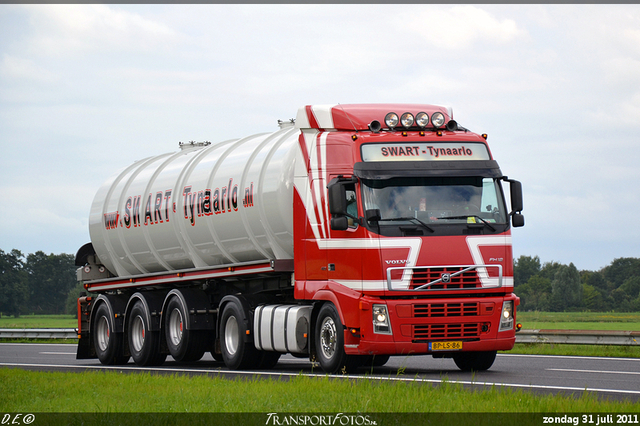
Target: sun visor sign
<point>450,151</point>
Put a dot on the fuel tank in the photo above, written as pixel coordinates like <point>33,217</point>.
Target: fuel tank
<point>205,205</point>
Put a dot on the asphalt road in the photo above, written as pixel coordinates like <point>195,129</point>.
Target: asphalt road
<point>611,378</point>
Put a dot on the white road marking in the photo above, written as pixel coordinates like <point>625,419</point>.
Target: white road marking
<point>57,353</point>
<point>593,371</point>
<point>572,357</point>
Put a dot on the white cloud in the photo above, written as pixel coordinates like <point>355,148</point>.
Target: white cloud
<point>23,69</point>
<point>69,30</point>
<point>458,27</point>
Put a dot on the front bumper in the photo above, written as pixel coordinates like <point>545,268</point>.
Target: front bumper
<point>421,326</point>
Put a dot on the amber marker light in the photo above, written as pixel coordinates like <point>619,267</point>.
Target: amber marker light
<point>354,137</point>
<point>485,136</point>
<point>518,327</point>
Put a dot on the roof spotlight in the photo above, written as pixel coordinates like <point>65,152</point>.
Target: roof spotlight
<point>422,119</point>
<point>407,120</point>
<point>391,120</point>
<point>437,119</point>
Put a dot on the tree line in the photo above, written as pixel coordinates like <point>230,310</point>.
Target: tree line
<point>555,287</point>
<point>40,283</point>
<point>37,283</point>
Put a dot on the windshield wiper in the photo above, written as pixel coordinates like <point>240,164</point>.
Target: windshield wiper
<point>393,219</point>
<point>469,215</point>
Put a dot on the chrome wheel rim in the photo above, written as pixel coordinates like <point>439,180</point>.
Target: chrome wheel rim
<point>328,337</point>
<point>175,327</point>
<point>102,333</point>
<point>231,337</point>
<point>137,333</point>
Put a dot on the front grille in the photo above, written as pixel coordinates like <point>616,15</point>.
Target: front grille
<point>431,310</point>
<point>446,331</point>
<point>467,279</point>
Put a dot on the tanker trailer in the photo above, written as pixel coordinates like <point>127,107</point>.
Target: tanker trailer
<point>322,239</point>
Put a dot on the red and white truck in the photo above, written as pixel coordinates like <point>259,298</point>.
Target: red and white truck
<point>351,234</point>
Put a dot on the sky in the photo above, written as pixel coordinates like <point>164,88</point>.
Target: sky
<point>86,90</point>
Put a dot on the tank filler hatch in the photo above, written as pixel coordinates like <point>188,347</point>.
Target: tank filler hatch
<point>193,144</point>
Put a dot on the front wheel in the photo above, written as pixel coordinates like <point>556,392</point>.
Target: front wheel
<point>329,341</point>
<point>475,361</point>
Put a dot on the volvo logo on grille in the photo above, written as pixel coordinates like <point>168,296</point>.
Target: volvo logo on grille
<point>446,278</point>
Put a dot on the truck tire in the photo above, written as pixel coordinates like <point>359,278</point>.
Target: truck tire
<point>329,341</point>
<point>375,360</point>
<point>144,345</point>
<point>236,353</point>
<point>475,361</point>
<point>184,345</point>
<point>268,359</point>
<point>107,343</point>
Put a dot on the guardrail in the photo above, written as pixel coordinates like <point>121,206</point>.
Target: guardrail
<point>38,333</point>
<point>573,337</point>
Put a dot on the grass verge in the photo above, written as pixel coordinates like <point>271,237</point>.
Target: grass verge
<point>575,350</point>
<point>39,321</point>
<point>624,321</point>
<point>114,392</point>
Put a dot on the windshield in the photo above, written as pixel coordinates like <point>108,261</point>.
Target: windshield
<point>436,200</point>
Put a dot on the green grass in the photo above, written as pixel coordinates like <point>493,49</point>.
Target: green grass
<point>28,391</point>
<point>39,321</point>
<point>625,321</point>
<point>575,350</point>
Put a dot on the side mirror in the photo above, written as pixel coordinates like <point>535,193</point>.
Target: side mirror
<point>517,220</point>
<point>516,195</point>
<point>337,198</point>
<point>340,223</point>
<point>373,215</point>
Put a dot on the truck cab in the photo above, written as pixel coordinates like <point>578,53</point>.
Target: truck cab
<point>412,243</point>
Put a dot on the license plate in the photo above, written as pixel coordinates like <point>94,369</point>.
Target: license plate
<point>445,346</point>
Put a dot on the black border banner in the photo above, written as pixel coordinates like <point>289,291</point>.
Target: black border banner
<point>309,419</point>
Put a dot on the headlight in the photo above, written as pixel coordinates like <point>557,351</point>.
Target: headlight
<point>437,119</point>
<point>506,318</point>
<point>381,319</point>
<point>407,120</point>
<point>422,119</point>
<point>391,120</point>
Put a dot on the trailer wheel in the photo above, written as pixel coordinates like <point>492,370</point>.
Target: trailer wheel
<point>236,353</point>
<point>476,361</point>
<point>184,345</point>
<point>107,343</point>
<point>329,340</point>
<point>143,344</point>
